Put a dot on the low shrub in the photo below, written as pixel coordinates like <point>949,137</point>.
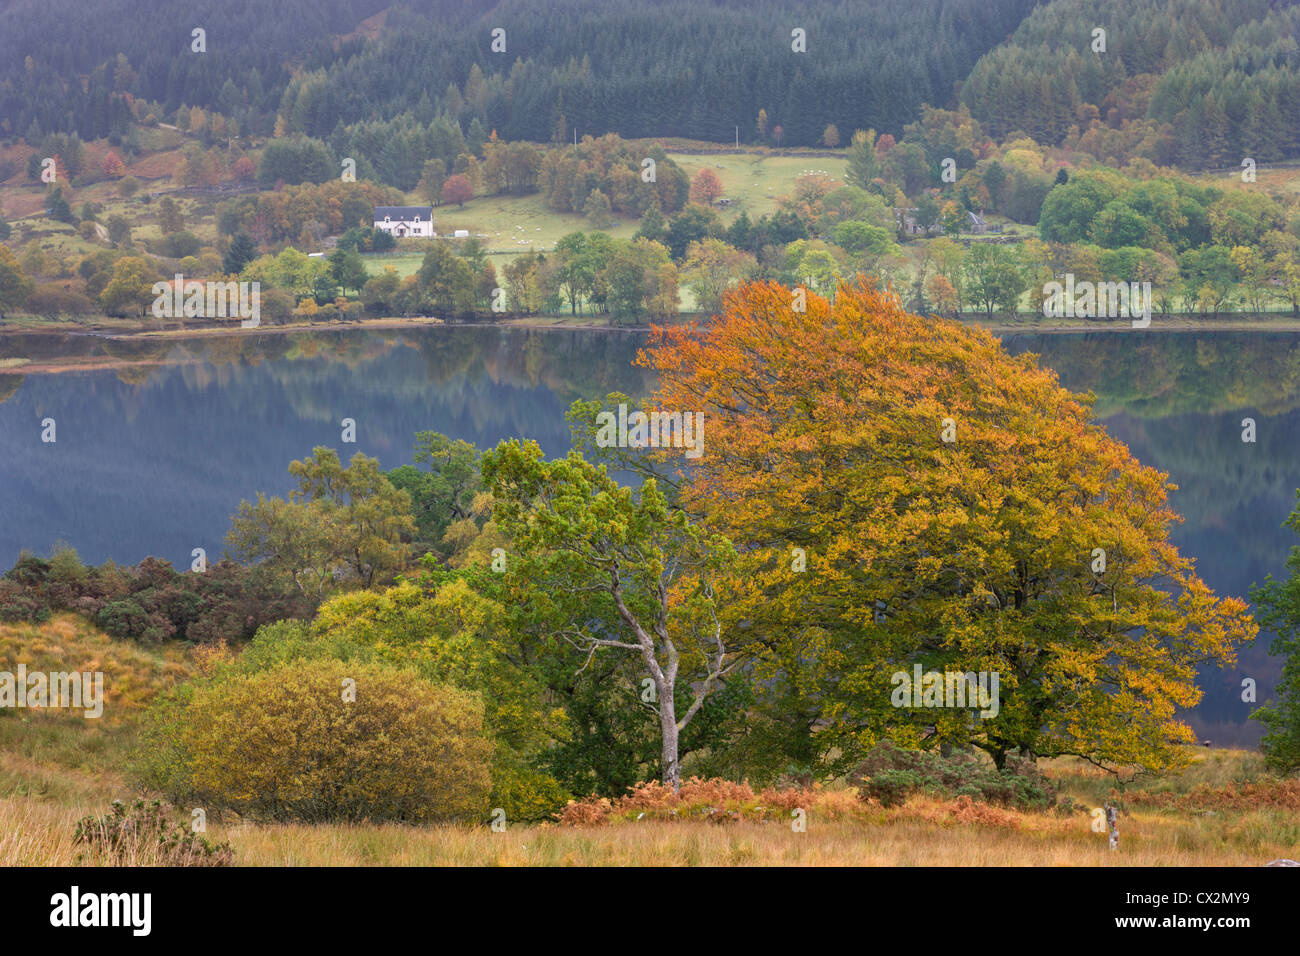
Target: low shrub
<point>288,743</point>
<point>890,775</point>
<point>1281,793</point>
<point>52,301</point>
<point>715,800</point>
<point>526,795</point>
<point>151,601</point>
<point>141,835</point>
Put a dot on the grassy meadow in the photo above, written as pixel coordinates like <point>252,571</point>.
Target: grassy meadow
<point>56,768</point>
<point>509,226</point>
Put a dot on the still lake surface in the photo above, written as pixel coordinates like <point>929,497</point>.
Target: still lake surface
<point>154,453</point>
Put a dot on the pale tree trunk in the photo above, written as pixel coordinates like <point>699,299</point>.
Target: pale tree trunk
<point>662,660</point>
<point>669,771</point>
<point>665,678</point>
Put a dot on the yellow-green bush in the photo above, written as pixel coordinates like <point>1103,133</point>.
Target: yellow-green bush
<point>284,743</point>
<point>526,795</point>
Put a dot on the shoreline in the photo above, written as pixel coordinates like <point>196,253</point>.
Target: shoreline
<point>134,331</point>
<point>129,330</point>
<point>1181,323</point>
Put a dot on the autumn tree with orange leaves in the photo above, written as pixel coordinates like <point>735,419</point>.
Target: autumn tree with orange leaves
<point>706,187</point>
<point>901,491</point>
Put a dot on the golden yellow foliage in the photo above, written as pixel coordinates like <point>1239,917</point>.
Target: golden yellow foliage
<point>292,743</point>
<point>956,508</point>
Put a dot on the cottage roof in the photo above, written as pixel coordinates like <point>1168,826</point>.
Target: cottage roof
<point>407,213</point>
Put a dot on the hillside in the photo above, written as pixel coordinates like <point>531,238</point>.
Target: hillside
<point>1200,83</point>
<point>665,67</point>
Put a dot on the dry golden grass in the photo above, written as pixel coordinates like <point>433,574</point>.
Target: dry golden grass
<point>132,673</point>
<point>911,836</point>
<point>37,830</point>
<point>36,833</point>
<point>921,833</point>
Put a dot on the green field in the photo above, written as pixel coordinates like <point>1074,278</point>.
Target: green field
<point>519,224</point>
<point>509,226</point>
<point>62,240</point>
<point>754,182</point>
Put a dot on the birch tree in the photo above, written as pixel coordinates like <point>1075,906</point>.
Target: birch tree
<point>646,575</point>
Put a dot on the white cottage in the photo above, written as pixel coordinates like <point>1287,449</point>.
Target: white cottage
<point>405,220</point>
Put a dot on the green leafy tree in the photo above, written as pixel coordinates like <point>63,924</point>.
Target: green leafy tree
<point>447,280</point>
<point>994,280</point>
<point>443,490</point>
<point>1278,604</point>
<point>170,217</point>
<point>574,270</point>
<point>863,237</point>
<point>627,283</point>
<point>324,290</point>
<point>119,231</point>
<point>524,276</point>
<point>810,263</point>
<point>711,267</point>
<point>348,269</point>
<point>653,225</point>
<point>431,180</point>
<point>130,290</point>
<point>15,287</point>
<point>379,293</point>
<point>597,209</point>
<point>692,224</point>
<point>645,570</point>
<point>1068,211</point>
<point>1118,224</point>
<point>60,210</point>
<point>341,524</point>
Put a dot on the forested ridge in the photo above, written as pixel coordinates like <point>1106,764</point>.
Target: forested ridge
<point>78,76</point>
<point>1199,83</point>
<point>664,67</point>
<point>1187,82</point>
